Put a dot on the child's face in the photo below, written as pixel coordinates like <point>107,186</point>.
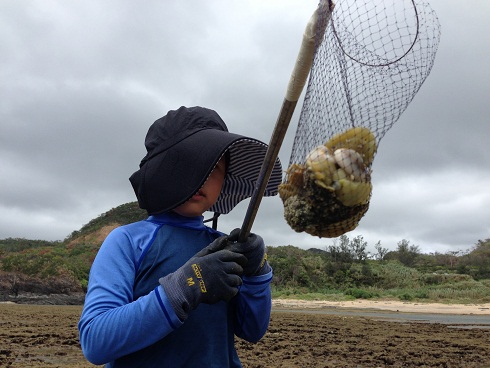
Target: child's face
<point>207,195</point>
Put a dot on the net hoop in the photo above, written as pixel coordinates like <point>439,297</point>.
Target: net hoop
<point>334,31</point>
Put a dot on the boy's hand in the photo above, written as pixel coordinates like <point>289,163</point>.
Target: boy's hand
<point>254,249</point>
<point>212,275</point>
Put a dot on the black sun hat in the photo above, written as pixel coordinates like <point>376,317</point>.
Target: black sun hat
<point>183,147</point>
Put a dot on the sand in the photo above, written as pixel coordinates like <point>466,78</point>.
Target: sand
<point>391,305</point>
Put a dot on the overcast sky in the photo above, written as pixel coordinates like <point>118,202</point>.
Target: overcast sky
<point>81,82</point>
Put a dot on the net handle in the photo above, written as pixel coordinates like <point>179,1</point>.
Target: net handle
<point>296,84</point>
<point>304,61</point>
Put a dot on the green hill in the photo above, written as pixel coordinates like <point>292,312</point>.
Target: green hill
<point>344,269</point>
<point>121,215</point>
<point>44,267</point>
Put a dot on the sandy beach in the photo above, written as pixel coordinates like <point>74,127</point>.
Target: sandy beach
<point>391,305</point>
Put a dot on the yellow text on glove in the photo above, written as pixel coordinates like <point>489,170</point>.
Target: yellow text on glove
<point>197,271</point>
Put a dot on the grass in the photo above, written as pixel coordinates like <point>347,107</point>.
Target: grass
<point>463,292</point>
<point>330,295</point>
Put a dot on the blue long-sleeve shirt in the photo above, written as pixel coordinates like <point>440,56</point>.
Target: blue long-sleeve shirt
<point>127,319</point>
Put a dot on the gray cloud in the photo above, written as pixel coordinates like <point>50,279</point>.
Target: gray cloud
<point>83,81</point>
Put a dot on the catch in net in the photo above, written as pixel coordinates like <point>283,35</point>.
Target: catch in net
<point>369,63</point>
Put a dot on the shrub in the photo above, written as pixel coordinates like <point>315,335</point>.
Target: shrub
<point>422,294</point>
<point>359,293</point>
<point>394,275</point>
<point>406,297</point>
<point>438,279</point>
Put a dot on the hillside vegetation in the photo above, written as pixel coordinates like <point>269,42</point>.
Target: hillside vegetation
<point>343,270</point>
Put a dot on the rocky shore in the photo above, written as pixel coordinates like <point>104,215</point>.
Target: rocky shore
<point>44,299</point>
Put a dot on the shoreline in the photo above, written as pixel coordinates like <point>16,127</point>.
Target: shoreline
<point>283,303</point>
<point>388,305</point>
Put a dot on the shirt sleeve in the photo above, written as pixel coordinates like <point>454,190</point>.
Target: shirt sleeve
<point>112,323</point>
<point>253,307</point>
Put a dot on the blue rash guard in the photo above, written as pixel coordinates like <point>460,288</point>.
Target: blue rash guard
<point>127,319</point>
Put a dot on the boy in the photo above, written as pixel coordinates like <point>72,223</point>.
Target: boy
<point>170,291</point>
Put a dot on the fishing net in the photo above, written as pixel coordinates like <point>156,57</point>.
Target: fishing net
<point>369,63</point>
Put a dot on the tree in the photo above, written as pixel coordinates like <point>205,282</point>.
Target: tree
<point>380,251</point>
<point>358,249</point>
<point>407,254</point>
<point>341,253</point>
<point>479,259</point>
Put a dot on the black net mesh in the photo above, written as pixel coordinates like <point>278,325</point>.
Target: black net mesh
<point>369,63</point>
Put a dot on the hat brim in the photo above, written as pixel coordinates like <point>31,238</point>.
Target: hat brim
<point>246,159</point>
<point>173,176</point>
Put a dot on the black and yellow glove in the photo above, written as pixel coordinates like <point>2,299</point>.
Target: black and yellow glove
<point>253,249</point>
<point>212,275</point>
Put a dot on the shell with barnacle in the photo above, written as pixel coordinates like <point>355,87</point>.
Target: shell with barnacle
<point>328,194</point>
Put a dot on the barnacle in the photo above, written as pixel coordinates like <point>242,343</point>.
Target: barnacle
<point>295,181</point>
<point>328,194</point>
